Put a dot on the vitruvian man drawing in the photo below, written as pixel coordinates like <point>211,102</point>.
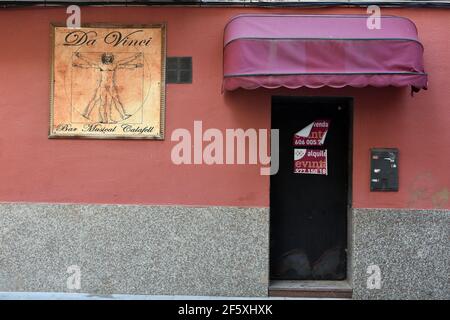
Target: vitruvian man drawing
<point>106,95</point>
<point>108,82</point>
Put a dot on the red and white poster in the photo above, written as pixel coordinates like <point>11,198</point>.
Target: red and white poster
<point>310,161</point>
<point>313,134</point>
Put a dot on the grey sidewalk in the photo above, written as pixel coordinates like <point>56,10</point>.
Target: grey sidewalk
<point>86,296</point>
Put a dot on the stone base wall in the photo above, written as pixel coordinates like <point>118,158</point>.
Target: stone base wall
<point>207,251</point>
<point>411,249</point>
<point>157,250</point>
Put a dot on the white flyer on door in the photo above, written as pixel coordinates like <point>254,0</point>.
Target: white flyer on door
<point>313,134</point>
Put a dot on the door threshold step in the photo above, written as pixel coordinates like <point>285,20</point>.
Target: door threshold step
<point>310,289</point>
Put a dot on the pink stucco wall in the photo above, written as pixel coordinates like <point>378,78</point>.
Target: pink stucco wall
<point>36,169</point>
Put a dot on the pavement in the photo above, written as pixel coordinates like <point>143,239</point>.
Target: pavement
<point>87,296</point>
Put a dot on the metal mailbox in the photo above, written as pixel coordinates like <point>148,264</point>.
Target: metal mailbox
<point>384,169</point>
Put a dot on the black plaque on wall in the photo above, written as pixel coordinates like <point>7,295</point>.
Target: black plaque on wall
<point>384,169</point>
<point>179,70</point>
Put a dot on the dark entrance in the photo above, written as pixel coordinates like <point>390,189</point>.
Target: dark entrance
<point>308,210</point>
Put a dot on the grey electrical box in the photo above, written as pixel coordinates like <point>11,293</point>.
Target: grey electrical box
<point>384,169</point>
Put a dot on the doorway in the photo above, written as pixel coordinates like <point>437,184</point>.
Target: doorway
<point>310,194</point>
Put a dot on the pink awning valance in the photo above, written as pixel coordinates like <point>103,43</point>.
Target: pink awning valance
<point>313,51</point>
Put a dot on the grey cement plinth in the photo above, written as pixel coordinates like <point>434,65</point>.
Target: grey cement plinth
<point>126,249</point>
<point>411,248</point>
<point>206,251</point>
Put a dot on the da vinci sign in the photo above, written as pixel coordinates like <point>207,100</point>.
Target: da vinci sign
<point>108,82</point>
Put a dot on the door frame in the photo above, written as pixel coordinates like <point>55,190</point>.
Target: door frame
<point>349,101</point>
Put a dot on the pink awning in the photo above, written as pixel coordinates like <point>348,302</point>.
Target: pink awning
<point>313,51</point>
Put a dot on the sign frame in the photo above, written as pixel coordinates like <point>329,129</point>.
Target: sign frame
<point>162,114</point>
